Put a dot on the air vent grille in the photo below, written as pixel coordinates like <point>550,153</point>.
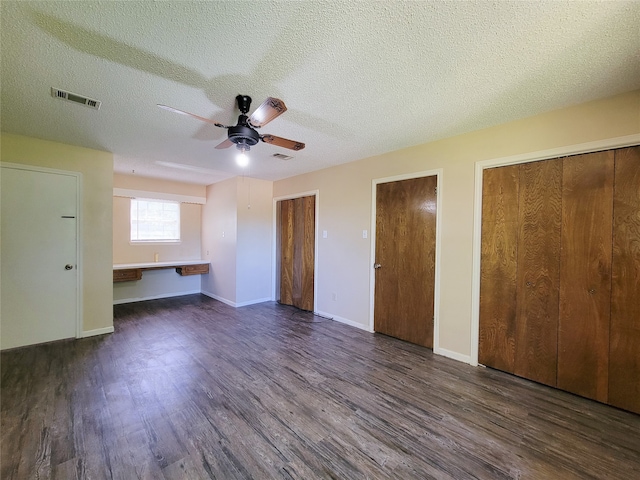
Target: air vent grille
<point>75,98</point>
<point>282,156</point>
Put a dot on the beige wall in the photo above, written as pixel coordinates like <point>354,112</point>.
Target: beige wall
<point>237,239</point>
<point>97,190</point>
<point>254,244</point>
<point>134,182</point>
<point>344,257</point>
<point>190,218</point>
<point>219,237</point>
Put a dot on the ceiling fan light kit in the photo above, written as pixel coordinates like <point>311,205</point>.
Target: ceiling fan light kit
<point>244,134</point>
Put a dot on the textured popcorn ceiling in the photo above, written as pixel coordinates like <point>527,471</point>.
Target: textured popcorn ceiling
<point>359,77</point>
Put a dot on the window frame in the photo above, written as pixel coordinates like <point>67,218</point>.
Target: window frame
<point>152,241</point>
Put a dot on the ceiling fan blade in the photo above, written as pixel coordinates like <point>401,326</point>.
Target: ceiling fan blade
<point>282,142</point>
<point>270,109</point>
<point>182,112</point>
<point>226,144</point>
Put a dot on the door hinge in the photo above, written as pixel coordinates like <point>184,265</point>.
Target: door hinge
<point>435,190</point>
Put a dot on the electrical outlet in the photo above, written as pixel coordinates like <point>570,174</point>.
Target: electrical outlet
<point>334,296</point>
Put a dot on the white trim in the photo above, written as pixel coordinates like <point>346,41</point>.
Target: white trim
<point>219,298</point>
<point>234,304</point>
<point>438,173</point>
<point>173,197</point>
<point>454,355</point>
<point>154,297</point>
<point>599,145</point>
<point>252,302</point>
<point>97,331</point>
<point>346,321</point>
<point>274,267</point>
<point>79,231</point>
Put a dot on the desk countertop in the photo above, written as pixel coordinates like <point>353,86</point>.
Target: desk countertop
<point>176,263</point>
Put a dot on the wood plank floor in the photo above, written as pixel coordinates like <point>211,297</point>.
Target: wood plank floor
<point>189,388</point>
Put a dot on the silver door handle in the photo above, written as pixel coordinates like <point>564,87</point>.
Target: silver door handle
<point>377,266</point>
<point>68,266</point>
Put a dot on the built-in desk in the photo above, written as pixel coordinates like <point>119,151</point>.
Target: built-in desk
<point>127,272</point>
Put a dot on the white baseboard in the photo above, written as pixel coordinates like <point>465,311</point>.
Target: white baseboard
<point>97,331</point>
<point>219,298</point>
<point>346,321</point>
<point>253,302</point>
<point>234,304</point>
<point>453,355</point>
<point>155,297</point>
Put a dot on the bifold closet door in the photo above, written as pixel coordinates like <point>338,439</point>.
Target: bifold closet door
<point>498,273</point>
<point>560,274</point>
<point>297,252</point>
<point>624,363</point>
<point>285,238</point>
<point>521,212</point>
<point>585,274</point>
<point>538,277</point>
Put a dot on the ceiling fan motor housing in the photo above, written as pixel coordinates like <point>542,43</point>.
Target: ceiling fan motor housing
<point>243,135</point>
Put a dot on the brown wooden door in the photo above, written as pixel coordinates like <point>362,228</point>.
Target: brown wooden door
<point>405,251</point>
<point>297,251</point>
<point>585,274</point>
<point>624,363</point>
<point>498,273</point>
<point>520,262</point>
<point>538,276</point>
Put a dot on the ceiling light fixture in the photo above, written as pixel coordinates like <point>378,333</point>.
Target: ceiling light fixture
<point>242,159</point>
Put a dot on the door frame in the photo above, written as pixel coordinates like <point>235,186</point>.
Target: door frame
<point>79,231</point>
<point>275,268</point>
<point>480,166</point>
<point>438,173</point>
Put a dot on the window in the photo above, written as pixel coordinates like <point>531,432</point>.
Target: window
<point>155,220</point>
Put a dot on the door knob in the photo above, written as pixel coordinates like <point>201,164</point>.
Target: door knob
<point>377,266</point>
<point>68,266</point>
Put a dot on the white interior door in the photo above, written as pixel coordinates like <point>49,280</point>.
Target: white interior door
<point>38,257</point>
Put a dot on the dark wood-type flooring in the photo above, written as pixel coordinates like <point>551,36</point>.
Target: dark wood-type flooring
<point>191,388</point>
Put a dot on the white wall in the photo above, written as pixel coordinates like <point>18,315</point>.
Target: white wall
<point>219,234</point>
<point>236,239</point>
<point>254,248</point>
<point>155,284</point>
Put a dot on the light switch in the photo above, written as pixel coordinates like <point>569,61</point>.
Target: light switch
<point>364,234</point>
<point>324,234</point>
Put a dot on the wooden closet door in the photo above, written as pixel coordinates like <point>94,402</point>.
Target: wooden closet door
<point>498,268</point>
<point>585,274</point>
<point>286,252</point>
<point>297,252</point>
<point>624,362</point>
<point>304,252</point>
<point>538,276</point>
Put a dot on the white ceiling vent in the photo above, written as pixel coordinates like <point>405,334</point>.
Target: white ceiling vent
<point>282,156</point>
<point>74,97</point>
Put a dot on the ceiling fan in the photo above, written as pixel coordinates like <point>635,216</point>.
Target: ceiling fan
<point>244,135</point>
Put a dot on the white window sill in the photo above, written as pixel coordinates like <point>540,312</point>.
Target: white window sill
<point>155,242</point>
